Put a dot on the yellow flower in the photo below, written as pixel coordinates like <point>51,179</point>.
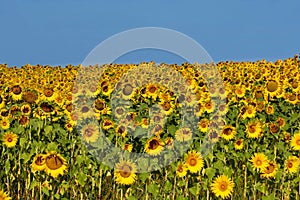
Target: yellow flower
<point>222,186</point>
<point>127,147</point>
<point>295,141</point>
<point>181,170</point>
<point>228,132</point>
<point>194,161</point>
<point>154,146</point>
<point>90,132</point>
<point>10,139</point>
<point>4,196</point>
<point>203,125</point>
<point>253,129</point>
<point>55,164</point>
<point>5,123</point>
<point>270,170</point>
<point>259,161</point>
<point>125,173</point>
<point>239,144</point>
<point>292,164</point>
<point>183,134</point>
<point>39,162</point>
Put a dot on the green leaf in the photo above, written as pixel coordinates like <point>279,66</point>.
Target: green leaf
<point>46,191</point>
<point>81,178</point>
<point>194,190</point>
<point>168,186</point>
<point>52,146</point>
<point>132,198</point>
<point>48,129</point>
<point>144,176</point>
<point>210,172</point>
<point>153,188</point>
<point>181,197</point>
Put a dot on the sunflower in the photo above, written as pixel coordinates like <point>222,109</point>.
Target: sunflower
<point>281,122</point>
<point>239,144</point>
<point>107,124</point>
<point>274,128</point>
<point>273,87</point>
<point>26,109</point>
<point>259,161</point>
<point>228,132</point>
<point>240,91</point>
<point>55,164</point>
<point>253,129</point>
<point>169,142</point>
<point>10,139</point>
<point>270,170</point>
<point>127,91</point>
<point>183,134</point>
<point>154,146</point>
<point>90,132</point>
<point>194,161</point>
<point>24,120</point>
<point>122,130</point>
<point>4,195</point>
<point>181,169</point>
<point>167,107</point>
<point>203,125</point>
<point>292,164</point>
<point>127,147</point>
<point>125,172</point>
<point>39,162</point>
<point>209,106</point>
<point>270,109</point>
<point>222,186</point>
<point>295,141</point>
<point>16,92</point>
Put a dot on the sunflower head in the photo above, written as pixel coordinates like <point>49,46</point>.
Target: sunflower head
<point>39,162</point>
<point>194,161</point>
<point>55,164</point>
<point>222,186</point>
<point>154,146</point>
<point>10,139</point>
<point>125,172</point>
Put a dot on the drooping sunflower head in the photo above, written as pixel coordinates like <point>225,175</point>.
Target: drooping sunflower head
<point>125,172</point>
<point>270,170</point>
<point>55,164</point>
<point>228,132</point>
<point>222,186</point>
<point>39,162</point>
<point>239,144</point>
<point>154,146</point>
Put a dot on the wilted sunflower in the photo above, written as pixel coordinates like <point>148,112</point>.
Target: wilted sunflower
<point>222,186</point>
<point>295,141</point>
<point>10,139</point>
<point>292,164</point>
<point>39,162</point>
<point>55,164</point>
<point>4,195</point>
<point>183,134</point>
<point>270,170</point>
<point>181,169</point>
<point>259,161</point>
<point>154,146</point>
<point>228,132</point>
<point>194,161</point>
<point>125,172</point>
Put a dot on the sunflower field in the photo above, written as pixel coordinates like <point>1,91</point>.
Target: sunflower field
<point>229,130</point>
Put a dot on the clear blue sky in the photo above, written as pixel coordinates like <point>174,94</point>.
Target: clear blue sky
<point>59,32</point>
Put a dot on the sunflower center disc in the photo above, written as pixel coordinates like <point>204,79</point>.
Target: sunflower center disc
<point>54,162</point>
<point>223,187</point>
<point>193,162</point>
<point>127,90</point>
<point>39,161</point>
<point>298,142</point>
<point>290,165</point>
<point>125,172</point>
<point>272,86</point>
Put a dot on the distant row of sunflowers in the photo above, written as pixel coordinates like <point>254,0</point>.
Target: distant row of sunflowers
<point>251,104</point>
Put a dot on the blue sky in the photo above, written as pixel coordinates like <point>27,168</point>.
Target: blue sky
<point>60,32</point>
